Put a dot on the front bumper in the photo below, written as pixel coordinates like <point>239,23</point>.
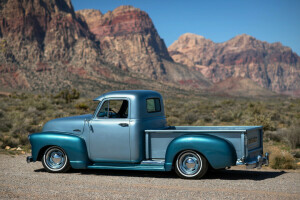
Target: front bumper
<point>258,162</point>
<point>29,159</point>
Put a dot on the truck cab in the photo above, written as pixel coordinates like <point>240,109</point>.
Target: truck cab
<point>116,130</point>
<point>128,130</point>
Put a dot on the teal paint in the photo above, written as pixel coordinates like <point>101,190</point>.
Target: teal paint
<point>218,152</point>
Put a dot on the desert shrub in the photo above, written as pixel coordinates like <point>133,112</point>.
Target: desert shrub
<point>273,135</point>
<point>33,129</point>
<point>41,106</point>
<point>207,119</point>
<point>228,102</point>
<point>282,160</point>
<point>10,141</point>
<point>172,121</point>
<point>190,118</point>
<point>255,108</point>
<point>263,120</point>
<point>68,95</point>
<point>23,138</point>
<point>290,137</point>
<point>82,106</point>
<point>293,136</point>
<point>275,116</point>
<point>59,114</point>
<point>237,115</point>
<point>5,126</point>
<point>297,154</point>
<point>57,101</point>
<point>227,117</point>
<point>199,122</point>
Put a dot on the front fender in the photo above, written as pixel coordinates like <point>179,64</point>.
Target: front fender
<point>74,146</point>
<point>218,152</point>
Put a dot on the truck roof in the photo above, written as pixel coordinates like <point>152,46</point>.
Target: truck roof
<point>138,99</point>
<point>128,93</point>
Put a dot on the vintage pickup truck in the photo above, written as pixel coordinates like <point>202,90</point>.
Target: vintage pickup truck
<point>128,131</point>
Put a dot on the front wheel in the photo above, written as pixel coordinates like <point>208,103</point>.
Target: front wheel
<point>191,165</point>
<point>55,160</point>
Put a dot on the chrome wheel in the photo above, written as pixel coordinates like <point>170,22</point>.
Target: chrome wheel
<point>190,164</point>
<point>55,160</point>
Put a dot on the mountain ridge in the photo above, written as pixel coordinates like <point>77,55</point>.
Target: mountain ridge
<point>46,46</point>
<point>272,66</point>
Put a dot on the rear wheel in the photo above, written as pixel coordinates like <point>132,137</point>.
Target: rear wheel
<point>55,160</point>
<point>191,165</point>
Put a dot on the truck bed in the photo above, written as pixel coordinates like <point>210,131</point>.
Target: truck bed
<point>247,140</point>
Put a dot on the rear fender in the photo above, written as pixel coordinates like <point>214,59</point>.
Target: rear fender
<point>74,146</point>
<point>218,152</point>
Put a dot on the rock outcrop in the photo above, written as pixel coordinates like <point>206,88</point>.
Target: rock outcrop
<point>46,46</point>
<point>272,66</point>
<point>42,30</point>
<point>129,40</point>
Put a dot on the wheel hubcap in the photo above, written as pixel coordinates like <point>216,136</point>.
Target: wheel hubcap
<point>189,164</point>
<point>55,159</point>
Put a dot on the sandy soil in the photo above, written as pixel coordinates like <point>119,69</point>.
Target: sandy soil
<point>19,180</point>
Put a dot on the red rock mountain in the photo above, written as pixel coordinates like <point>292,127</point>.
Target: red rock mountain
<point>41,42</point>
<point>128,39</point>
<point>272,66</point>
<point>45,46</point>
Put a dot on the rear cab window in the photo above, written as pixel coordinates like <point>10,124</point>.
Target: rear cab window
<point>153,105</point>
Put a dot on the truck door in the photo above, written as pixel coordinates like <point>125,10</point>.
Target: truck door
<point>109,132</point>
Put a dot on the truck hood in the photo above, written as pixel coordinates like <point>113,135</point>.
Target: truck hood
<point>74,124</point>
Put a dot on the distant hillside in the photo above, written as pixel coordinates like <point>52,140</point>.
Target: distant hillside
<point>46,46</point>
<point>271,66</point>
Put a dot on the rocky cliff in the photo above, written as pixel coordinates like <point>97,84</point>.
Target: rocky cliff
<point>42,30</point>
<point>128,39</point>
<point>41,42</point>
<point>272,66</point>
<point>45,46</point>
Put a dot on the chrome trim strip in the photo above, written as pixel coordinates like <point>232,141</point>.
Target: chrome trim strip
<point>153,162</point>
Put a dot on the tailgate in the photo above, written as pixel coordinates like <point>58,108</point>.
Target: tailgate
<point>253,144</point>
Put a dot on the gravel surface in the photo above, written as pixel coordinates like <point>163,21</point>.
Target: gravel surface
<point>19,180</point>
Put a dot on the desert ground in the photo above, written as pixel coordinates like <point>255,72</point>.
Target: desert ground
<point>19,180</point>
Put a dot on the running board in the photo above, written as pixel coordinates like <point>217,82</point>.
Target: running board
<point>146,165</point>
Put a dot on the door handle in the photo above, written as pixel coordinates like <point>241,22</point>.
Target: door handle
<point>123,124</point>
<point>91,128</point>
<point>77,130</point>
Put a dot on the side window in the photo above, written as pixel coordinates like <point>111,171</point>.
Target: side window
<point>114,109</point>
<point>103,110</point>
<point>153,105</point>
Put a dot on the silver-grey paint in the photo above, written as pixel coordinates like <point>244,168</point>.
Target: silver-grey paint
<point>67,124</point>
<point>111,142</point>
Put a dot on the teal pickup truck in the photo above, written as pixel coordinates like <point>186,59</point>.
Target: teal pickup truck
<point>128,131</point>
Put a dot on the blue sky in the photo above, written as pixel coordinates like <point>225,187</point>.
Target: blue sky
<point>218,20</point>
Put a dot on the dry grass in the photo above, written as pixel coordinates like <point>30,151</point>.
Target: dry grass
<point>279,157</point>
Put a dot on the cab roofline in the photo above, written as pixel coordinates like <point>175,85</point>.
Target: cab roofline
<point>127,93</point>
